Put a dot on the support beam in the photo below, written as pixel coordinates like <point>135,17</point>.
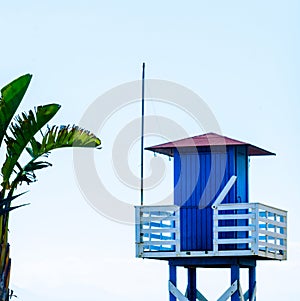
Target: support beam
<point>229,292</point>
<point>178,295</point>
<point>192,287</point>
<point>200,297</point>
<point>173,280</point>
<point>252,283</point>
<point>213,262</point>
<point>235,276</point>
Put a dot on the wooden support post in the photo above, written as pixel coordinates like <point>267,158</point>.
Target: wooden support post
<point>252,283</point>
<point>235,276</point>
<point>192,287</point>
<point>173,279</point>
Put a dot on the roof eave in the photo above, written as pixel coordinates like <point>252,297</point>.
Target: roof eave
<point>252,150</point>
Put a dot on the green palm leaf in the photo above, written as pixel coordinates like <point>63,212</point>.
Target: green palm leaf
<point>56,137</point>
<point>8,209</point>
<point>11,97</point>
<point>8,200</point>
<point>23,130</point>
<point>63,136</point>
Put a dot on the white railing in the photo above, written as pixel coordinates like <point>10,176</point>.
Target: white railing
<point>157,229</point>
<point>241,229</point>
<point>250,226</point>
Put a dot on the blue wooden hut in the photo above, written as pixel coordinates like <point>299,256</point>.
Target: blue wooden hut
<point>211,223</point>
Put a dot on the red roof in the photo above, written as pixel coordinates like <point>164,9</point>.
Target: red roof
<point>206,140</point>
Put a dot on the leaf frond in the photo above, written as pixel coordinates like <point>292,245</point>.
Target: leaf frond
<point>23,131</point>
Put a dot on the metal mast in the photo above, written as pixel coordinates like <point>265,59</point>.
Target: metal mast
<point>142,136</point>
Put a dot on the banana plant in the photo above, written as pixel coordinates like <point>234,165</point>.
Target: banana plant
<point>26,134</point>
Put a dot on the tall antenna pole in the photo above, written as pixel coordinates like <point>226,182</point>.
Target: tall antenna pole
<point>142,136</point>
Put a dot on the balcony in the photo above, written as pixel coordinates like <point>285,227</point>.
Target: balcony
<point>239,229</point>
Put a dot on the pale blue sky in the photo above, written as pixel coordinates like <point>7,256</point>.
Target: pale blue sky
<point>242,58</point>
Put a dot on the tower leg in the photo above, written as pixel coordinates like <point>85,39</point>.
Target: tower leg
<point>192,287</point>
<point>173,279</point>
<point>252,282</point>
<point>235,275</point>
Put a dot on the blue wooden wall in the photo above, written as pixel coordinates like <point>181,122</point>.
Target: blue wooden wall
<point>199,177</point>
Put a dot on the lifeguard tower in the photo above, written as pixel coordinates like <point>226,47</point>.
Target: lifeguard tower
<point>211,223</point>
